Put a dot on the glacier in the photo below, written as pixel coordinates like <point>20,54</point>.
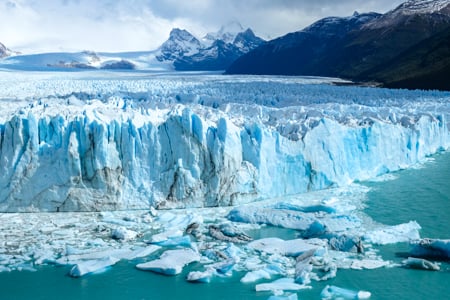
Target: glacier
<point>112,141</point>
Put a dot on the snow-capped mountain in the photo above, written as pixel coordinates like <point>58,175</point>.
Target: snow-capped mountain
<point>226,33</point>
<point>221,53</point>
<point>359,47</point>
<point>180,43</point>
<point>5,52</point>
<point>437,10</point>
<point>215,51</point>
<point>423,7</point>
<point>181,51</point>
<point>301,52</point>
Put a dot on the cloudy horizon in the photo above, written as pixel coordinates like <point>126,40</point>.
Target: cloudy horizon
<point>32,26</point>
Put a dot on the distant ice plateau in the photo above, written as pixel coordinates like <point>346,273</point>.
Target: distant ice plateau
<point>112,141</point>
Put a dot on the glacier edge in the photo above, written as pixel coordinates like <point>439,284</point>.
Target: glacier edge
<point>84,161</point>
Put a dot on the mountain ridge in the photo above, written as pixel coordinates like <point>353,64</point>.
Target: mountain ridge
<point>336,47</point>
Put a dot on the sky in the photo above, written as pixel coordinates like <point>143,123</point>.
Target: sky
<point>33,26</point>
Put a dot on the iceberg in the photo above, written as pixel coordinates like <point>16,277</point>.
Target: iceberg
<point>171,262</point>
<point>94,144</point>
<point>334,292</point>
<point>420,263</point>
<point>286,248</point>
<point>394,234</point>
<point>92,266</point>
<point>283,284</point>
<point>431,248</point>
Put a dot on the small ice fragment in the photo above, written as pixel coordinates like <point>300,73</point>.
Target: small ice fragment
<point>294,247</point>
<point>202,277</point>
<point>368,264</point>
<point>124,234</point>
<point>283,284</point>
<point>183,241</point>
<point>434,248</point>
<point>92,266</point>
<point>394,234</point>
<point>420,263</point>
<point>171,262</point>
<point>287,297</point>
<point>334,292</point>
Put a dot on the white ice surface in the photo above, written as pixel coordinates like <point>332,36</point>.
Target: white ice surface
<point>171,262</point>
<point>107,141</point>
<point>283,284</point>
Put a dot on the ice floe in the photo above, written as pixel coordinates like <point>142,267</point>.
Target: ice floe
<point>431,248</point>
<point>171,262</point>
<point>333,292</point>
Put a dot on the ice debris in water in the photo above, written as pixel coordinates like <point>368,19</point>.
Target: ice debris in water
<point>420,263</point>
<point>171,262</point>
<point>331,292</point>
<point>431,248</point>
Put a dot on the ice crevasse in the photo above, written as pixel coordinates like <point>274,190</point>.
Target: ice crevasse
<point>104,157</point>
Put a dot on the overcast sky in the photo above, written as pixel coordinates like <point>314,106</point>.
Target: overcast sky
<point>128,25</point>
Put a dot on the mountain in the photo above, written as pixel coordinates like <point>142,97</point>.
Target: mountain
<point>356,47</point>
<point>5,52</point>
<point>221,53</point>
<point>216,51</point>
<point>300,53</point>
<point>180,43</point>
<point>424,66</point>
<point>182,51</point>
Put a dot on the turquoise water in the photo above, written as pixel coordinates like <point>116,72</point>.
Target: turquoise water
<point>417,194</point>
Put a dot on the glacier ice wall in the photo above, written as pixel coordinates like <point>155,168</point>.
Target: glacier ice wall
<point>70,154</point>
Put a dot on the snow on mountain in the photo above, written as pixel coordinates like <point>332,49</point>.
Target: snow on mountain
<point>180,43</point>
<point>182,51</point>
<point>99,143</point>
<point>5,52</point>
<point>226,33</point>
<point>407,11</point>
<point>423,6</point>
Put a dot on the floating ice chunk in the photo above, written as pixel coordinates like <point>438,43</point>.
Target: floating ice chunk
<point>256,275</point>
<point>92,266</point>
<point>287,248</point>
<point>394,234</point>
<point>346,243</point>
<point>140,252</point>
<point>228,233</point>
<point>124,234</point>
<point>234,252</point>
<point>203,277</point>
<point>223,267</point>
<point>334,292</point>
<point>283,284</point>
<point>264,273</point>
<point>420,263</point>
<point>431,248</point>
<point>174,221</point>
<point>307,209</point>
<point>171,262</point>
<point>166,235</point>
<point>287,297</point>
<point>182,241</point>
<point>94,255</point>
<point>368,264</point>
<point>4,269</point>
<point>271,216</point>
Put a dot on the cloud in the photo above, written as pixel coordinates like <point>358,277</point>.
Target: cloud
<point>127,25</point>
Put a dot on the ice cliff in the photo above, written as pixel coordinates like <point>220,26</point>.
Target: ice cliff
<point>191,146</point>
